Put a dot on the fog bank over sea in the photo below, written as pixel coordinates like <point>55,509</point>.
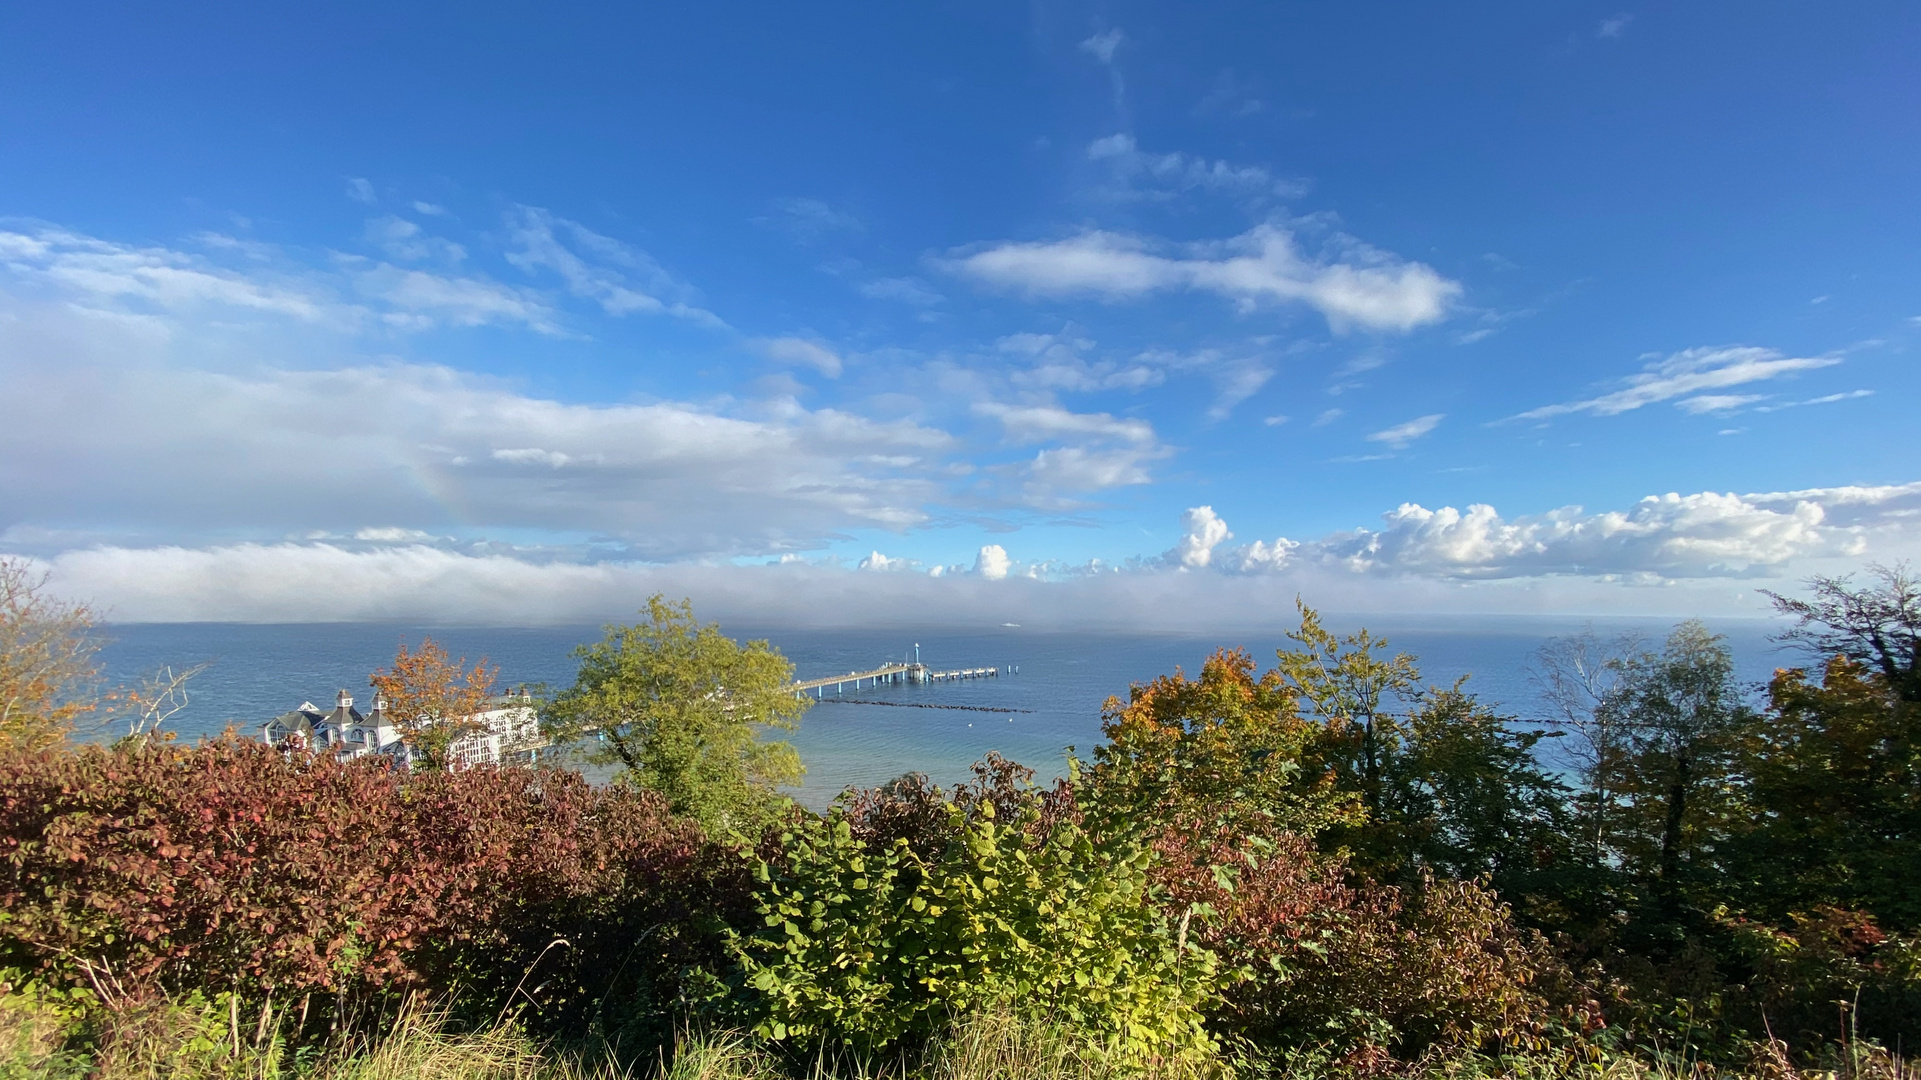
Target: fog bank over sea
<point>259,671</point>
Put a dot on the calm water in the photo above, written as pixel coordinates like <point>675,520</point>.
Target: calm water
<point>257,672</point>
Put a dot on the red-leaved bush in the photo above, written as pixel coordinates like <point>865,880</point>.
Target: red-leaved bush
<point>1359,968</point>
<point>229,865</point>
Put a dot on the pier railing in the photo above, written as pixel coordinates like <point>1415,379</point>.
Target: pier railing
<point>888,673</point>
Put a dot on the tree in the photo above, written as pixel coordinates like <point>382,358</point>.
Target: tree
<point>679,707</point>
<point>1834,785</point>
<point>434,700</point>
<point>1678,713</point>
<point>1224,747</point>
<point>1579,676</point>
<point>1466,797</point>
<point>1442,785</point>
<point>1348,686</point>
<point>1448,785</point>
<point>1879,626</point>
<point>47,672</point>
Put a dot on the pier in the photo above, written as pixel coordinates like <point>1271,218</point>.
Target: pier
<point>915,672</point>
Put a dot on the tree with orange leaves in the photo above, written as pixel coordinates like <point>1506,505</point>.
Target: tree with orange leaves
<point>1226,745</point>
<point>434,700</point>
<point>47,672</point>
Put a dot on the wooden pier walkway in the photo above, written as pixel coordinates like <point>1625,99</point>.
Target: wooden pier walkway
<point>889,673</point>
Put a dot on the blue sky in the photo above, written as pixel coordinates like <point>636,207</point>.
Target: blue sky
<point>1068,311</point>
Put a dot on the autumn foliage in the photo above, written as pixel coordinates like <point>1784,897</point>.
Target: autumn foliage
<point>1323,858</point>
<point>1313,955</point>
<point>152,867</point>
<point>434,698</point>
<point>46,661</point>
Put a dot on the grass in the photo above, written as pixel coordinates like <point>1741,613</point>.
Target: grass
<point>51,1040</point>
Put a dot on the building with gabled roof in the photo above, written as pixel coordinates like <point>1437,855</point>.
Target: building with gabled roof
<point>344,732</point>
<point>509,732</point>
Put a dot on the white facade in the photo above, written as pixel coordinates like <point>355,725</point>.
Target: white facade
<point>507,733</point>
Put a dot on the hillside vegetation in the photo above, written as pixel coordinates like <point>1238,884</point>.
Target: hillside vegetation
<point>1320,867</point>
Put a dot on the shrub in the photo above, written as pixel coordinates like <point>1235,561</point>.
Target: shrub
<point>1309,958</point>
<point>873,941</point>
<point>37,1026</point>
<point>151,868</point>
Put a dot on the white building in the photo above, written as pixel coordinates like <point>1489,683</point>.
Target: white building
<point>507,733</point>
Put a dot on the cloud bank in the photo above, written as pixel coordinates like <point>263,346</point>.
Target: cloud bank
<point>1704,553</point>
<point>1660,538</point>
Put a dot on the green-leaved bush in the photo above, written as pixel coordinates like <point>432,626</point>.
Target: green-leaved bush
<point>868,942</point>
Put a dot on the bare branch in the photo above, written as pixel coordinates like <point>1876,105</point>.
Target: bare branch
<point>1878,625</point>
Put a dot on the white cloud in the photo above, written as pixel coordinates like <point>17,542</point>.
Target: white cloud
<point>1237,382</point>
<point>1080,468</point>
<point>1328,416</point>
<point>1714,403</point>
<point>1103,45</point>
<point>125,443</point>
<point>608,277</point>
<point>1231,96</point>
<point>97,271</point>
<point>1059,365</point>
<point>1707,534</point>
<point>553,459</point>
<point>793,350</point>
<point>808,220</point>
<point>1825,399</point>
<point>1849,505</point>
<point>1359,287</point>
<point>407,241</point>
<point>992,562</point>
<point>1400,435</point>
<point>393,536</point>
<point>1614,25</point>
<point>1041,423</point>
<point>124,279</point>
<point>1162,175</point>
<point>1202,530</point>
<point>1259,557</point>
<point>1102,451</point>
<point>455,301</point>
<point>1671,555</point>
<point>1687,373</point>
<point>1659,538</point>
<point>877,561</point>
<point>359,190</point>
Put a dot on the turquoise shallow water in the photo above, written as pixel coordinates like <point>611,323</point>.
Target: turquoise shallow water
<point>259,671</point>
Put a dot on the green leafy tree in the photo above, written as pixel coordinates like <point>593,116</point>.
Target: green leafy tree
<point>680,708</point>
<point>1351,686</point>
<point>1679,712</point>
<point>1467,797</point>
<point>1834,787</point>
<point>1446,784</point>
<point>1833,768</point>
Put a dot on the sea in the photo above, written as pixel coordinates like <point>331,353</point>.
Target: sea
<point>1045,706</point>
